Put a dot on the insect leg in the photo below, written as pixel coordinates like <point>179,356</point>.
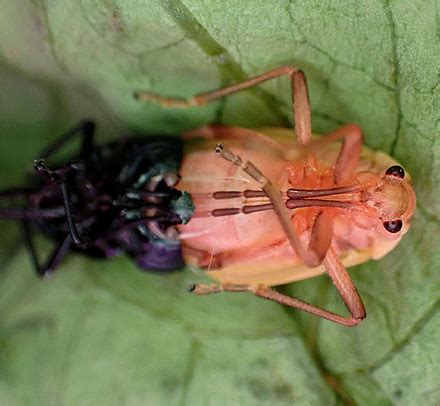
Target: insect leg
<point>54,258</point>
<point>12,193</point>
<point>199,289</point>
<point>350,153</point>
<point>343,283</point>
<point>310,257</point>
<point>300,105</point>
<point>337,273</point>
<point>41,168</point>
<point>85,128</point>
<point>22,213</point>
<point>15,192</point>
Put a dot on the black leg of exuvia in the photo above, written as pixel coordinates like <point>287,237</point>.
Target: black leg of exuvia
<point>77,240</point>
<point>15,192</point>
<point>26,213</point>
<point>57,255</point>
<point>43,171</point>
<point>54,258</point>
<point>30,247</point>
<point>85,128</point>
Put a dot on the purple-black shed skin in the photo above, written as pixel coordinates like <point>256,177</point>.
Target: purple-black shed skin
<point>106,201</point>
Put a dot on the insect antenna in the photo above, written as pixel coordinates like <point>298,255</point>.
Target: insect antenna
<point>234,194</point>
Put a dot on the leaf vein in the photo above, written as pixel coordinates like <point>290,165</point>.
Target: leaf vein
<point>229,69</point>
<point>397,75</point>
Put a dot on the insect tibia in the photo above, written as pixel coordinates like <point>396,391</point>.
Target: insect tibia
<point>145,96</point>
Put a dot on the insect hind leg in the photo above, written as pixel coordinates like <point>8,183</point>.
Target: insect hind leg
<point>357,312</point>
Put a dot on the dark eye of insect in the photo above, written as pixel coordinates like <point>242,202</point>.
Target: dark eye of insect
<point>396,171</point>
<point>393,226</point>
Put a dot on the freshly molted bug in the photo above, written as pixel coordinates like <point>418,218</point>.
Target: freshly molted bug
<point>254,208</point>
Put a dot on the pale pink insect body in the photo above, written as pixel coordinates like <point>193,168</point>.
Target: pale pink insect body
<point>253,247</point>
<point>271,210</point>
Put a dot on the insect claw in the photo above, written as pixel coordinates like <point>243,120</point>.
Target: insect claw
<point>191,288</point>
<point>38,163</point>
<point>218,149</point>
<point>46,275</point>
<point>41,168</point>
<point>82,242</point>
<point>204,289</point>
<point>228,155</point>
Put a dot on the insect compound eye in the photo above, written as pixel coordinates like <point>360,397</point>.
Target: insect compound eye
<point>395,171</point>
<point>393,226</point>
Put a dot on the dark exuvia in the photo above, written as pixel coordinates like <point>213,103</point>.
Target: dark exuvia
<point>107,200</point>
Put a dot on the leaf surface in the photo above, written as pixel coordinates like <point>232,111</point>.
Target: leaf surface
<point>104,333</point>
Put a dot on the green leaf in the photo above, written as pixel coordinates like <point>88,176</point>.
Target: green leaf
<point>104,333</point>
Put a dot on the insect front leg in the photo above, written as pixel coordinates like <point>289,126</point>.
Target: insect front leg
<point>300,105</point>
<point>350,153</point>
